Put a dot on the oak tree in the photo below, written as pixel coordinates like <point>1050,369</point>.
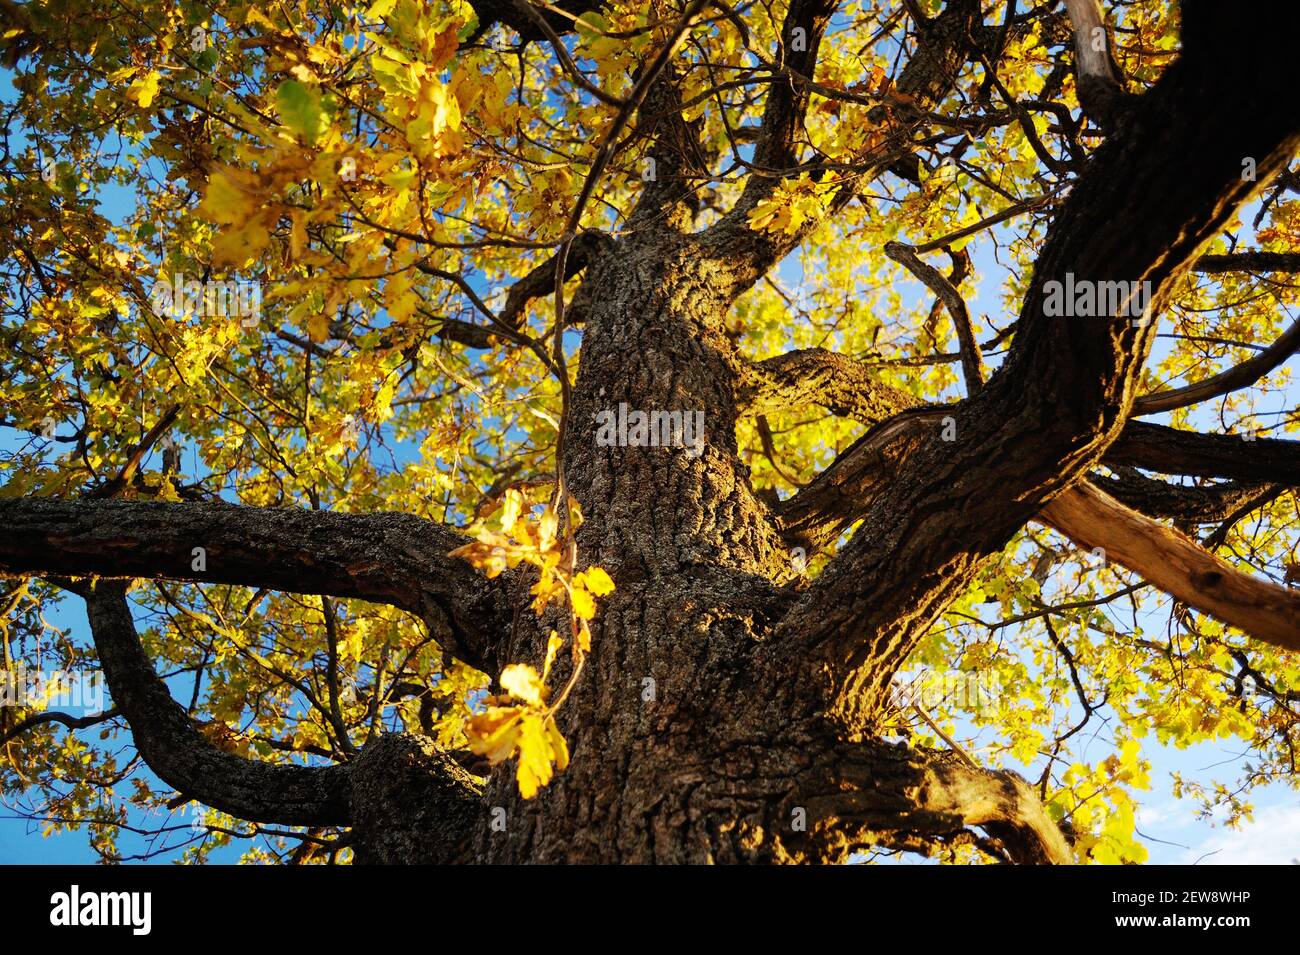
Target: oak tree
<point>505,431</point>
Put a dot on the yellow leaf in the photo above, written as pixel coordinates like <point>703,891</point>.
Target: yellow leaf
<point>495,734</point>
<point>444,45</point>
<point>253,15</point>
<point>558,746</point>
<point>145,90</point>
<point>547,525</point>
<point>167,490</point>
<point>540,745</point>
<point>597,581</point>
<point>552,648</point>
<point>318,327</point>
<point>522,682</point>
<point>510,508</point>
<point>225,201</point>
<point>298,234</point>
<point>584,607</point>
<point>350,649</point>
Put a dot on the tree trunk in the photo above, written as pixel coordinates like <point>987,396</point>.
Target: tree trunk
<point>653,776</point>
<point>678,755</point>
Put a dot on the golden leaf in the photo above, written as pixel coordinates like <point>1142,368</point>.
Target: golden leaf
<point>522,682</point>
<point>597,581</point>
<point>495,734</point>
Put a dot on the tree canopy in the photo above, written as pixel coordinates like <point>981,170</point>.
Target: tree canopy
<point>296,300</point>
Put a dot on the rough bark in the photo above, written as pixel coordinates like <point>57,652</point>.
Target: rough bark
<point>1243,457</point>
<point>397,559</point>
<point>410,803</point>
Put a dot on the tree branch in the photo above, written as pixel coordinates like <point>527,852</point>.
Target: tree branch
<point>1239,376</point>
<point>1086,513</point>
<point>396,559</point>
<point>1177,565</point>
<point>842,385</point>
<point>63,719</point>
<point>869,793</point>
<point>413,803</point>
<point>527,21</point>
<point>540,281</point>
<point>1154,447</point>
<point>787,103</point>
<point>1097,75</point>
<point>947,293</point>
<point>182,756</point>
<point>1219,263</point>
<point>1184,505</point>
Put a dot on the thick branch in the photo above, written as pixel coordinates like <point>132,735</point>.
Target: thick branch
<point>842,385</point>
<point>1177,565</point>
<point>1248,262</point>
<point>1086,514</point>
<point>872,793</point>
<point>522,17</point>
<point>397,559</point>
<point>676,159</point>
<point>1155,447</point>
<point>787,103</point>
<point>1184,505</point>
<point>1097,75</point>
<point>413,804</point>
<point>182,756</point>
<point>844,490</point>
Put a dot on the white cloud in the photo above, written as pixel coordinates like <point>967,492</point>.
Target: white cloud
<point>1272,838</point>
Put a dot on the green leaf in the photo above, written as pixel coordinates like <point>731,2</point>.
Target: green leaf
<point>300,110</point>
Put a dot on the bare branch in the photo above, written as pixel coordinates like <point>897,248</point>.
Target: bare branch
<point>1177,565</point>
<point>937,283</point>
<point>63,719</point>
<point>1239,376</point>
<point>1098,76</point>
